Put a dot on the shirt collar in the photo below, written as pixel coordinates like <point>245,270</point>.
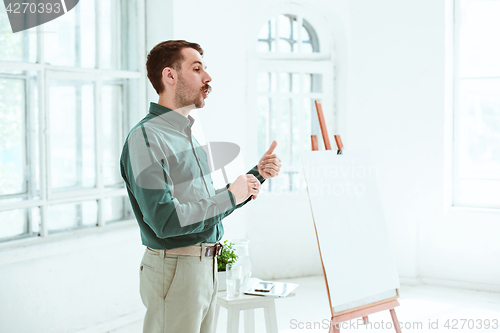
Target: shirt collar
<point>174,118</point>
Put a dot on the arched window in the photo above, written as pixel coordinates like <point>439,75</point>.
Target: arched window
<point>291,38</point>
<point>294,70</point>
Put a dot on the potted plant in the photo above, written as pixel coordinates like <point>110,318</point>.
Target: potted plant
<point>228,256</point>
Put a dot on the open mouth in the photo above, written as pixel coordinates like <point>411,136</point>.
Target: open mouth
<point>205,93</point>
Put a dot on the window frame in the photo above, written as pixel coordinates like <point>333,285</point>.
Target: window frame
<point>322,62</point>
<point>129,79</point>
<point>455,80</point>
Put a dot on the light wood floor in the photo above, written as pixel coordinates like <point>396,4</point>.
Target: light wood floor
<point>420,306</point>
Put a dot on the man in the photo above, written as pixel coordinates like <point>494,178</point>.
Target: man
<point>171,191</point>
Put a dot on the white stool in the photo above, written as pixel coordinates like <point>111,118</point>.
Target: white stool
<point>247,303</point>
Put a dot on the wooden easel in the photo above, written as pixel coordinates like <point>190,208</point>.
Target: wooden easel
<point>367,309</point>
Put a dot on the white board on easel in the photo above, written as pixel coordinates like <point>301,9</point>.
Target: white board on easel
<point>351,229</point>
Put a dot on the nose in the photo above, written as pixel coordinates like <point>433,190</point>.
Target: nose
<point>207,78</point>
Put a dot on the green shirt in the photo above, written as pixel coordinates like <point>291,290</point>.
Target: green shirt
<point>169,183</point>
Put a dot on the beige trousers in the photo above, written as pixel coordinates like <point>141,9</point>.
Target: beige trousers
<point>179,292</point>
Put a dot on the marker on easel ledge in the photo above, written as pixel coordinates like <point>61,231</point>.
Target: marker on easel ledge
<point>340,145</point>
<point>314,143</point>
<point>322,125</point>
<point>324,132</point>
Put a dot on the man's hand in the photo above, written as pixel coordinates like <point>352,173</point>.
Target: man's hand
<point>245,186</point>
<point>270,164</point>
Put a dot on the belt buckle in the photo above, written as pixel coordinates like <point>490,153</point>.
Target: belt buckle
<point>218,249</point>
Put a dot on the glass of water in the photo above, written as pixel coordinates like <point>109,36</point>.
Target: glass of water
<point>233,279</point>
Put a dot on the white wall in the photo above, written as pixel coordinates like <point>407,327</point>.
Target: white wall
<point>396,91</point>
<point>390,64</point>
<point>72,281</point>
<point>397,106</point>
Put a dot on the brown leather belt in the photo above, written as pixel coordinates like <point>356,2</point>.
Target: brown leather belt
<point>194,250</point>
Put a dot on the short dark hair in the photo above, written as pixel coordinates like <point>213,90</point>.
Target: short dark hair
<point>166,54</point>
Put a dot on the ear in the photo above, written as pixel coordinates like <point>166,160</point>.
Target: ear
<point>169,76</point>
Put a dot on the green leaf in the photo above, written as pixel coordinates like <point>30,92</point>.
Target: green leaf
<point>227,256</point>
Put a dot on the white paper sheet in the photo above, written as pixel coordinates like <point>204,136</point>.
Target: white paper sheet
<point>350,223</point>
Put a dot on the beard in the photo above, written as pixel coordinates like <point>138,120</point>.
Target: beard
<point>186,95</point>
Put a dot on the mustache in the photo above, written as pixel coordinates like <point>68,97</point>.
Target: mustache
<point>207,87</point>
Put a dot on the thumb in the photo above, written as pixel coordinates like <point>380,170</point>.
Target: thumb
<point>271,149</point>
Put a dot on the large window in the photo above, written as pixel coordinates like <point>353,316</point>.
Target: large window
<point>477,104</point>
<point>294,70</point>
<point>69,93</point>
